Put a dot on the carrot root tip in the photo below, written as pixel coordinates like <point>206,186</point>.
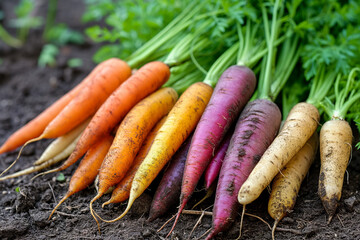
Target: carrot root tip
<point>45,173</point>
<point>18,156</point>
<point>273,229</point>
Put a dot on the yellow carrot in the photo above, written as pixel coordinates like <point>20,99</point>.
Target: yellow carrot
<point>286,184</point>
<point>181,121</point>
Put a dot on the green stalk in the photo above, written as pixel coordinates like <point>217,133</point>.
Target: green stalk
<point>8,39</point>
<point>270,39</point>
<point>289,56</point>
<point>182,50</point>
<point>346,97</point>
<point>181,22</point>
<point>321,84</point>
<point>221,64</point>
<point>50,17</point>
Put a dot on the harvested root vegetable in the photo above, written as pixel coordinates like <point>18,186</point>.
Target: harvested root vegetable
<point>286,184</point>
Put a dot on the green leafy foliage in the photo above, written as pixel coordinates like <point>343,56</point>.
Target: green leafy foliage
<point>129,24</point>
<point>61,34</point>
<point>17,189</point>
<point>24,20</point>
<point>48,55</point>
<point>331,31</point>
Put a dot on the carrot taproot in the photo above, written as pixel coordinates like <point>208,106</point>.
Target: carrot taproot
<point>255,129</point>
<point>213,169</point>
<point>335,149</point>
<point>130,136</point>
<point>336,139</point>
<point>50,162</point>
<point>60,143</point>
<point>143,82</point>
<point>88,168</point>
<point>286,185</point>
<point>168,191</point>
<point>231,93</point>
<point>102,83</point>
<point>122,189</point>
<point>181,121</point>
<point>35,127</point>
<point>91,97</point>
<point>299,126</point>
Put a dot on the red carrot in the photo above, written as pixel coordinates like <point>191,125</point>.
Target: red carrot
<point>230,95</point>
<point>213,169</point>
<point>250,139</point>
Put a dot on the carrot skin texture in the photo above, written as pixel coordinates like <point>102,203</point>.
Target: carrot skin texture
<point>299,126</point>
<point>88,168</point>
<point>335,149</point>
<point>89,99</point>
<point>131,133</point>
<point>286,184</point>
<point>168,191</point>
<point>60,143</point>
<point>143,82</point>
<point>213,169</point>
<point>180,122</point>
<point>256,128</point>
<point>232,92</point>
<point>122,189</point>
<point>35,127</point>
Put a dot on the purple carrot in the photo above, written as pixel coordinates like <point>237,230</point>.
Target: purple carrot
<point>256,128</point>
<point>233,90</point>
<point>213,169</point>
<point>168,191</point>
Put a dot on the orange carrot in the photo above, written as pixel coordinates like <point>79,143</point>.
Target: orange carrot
<point>129,137</point>
<point>122,190</point>
<point>142,83</point>
<point>35,127</point>
<point>88,168</point>
<point>87,102</point>
<point>179,124</point>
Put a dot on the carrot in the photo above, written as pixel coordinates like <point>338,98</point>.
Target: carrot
<point>36,126</point>
<point>335,149</point>
<point>122,190</point>
<point>142,83</point>
<point>213,169</point>
<point>130,136</point>
<point>168,191</point>
<point>299,126</point>
<point>181,121</point>
<point>86,103</point>
<point>336,140</point>
<point>286,184</point>
<point>255,129</point>
<point>59,144</point>
<point>61,156</point>
<point>231,93</point>
<point>88,168</point>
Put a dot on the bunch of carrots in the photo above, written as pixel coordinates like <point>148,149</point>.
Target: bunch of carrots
<point>129,119</point>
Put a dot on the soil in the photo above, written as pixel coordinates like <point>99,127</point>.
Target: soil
<point>26,89</point>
